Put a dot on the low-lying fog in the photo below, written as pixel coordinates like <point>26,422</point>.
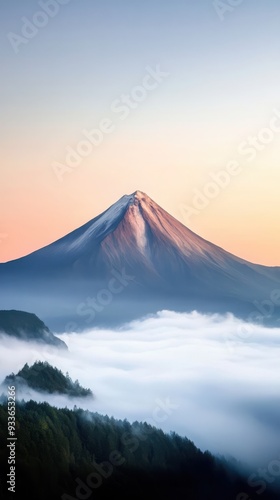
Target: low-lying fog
<point>213,379</point>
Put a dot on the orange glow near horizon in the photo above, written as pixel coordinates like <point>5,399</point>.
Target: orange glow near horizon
<point>206,108</point>
<point>242,218</point>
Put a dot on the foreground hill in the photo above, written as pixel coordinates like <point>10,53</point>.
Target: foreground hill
<point>28,327</point>
<point>68,455</point>
<point>43,377</point>
<point>135,259</point>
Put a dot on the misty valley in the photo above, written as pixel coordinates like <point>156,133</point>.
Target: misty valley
<point>149,363</point>
<point>177,404</point>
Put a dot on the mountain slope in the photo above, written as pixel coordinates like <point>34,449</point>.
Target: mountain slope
<point>68,455</point>
<point>28,327</point>
<point>41,376</point>
<point>169,267</point>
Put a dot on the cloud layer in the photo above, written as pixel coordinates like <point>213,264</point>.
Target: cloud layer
<point>211,378</point>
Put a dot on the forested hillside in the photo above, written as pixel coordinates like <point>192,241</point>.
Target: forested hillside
<point>28,327</point>
<point>63,454</point>
<point>41,376</point>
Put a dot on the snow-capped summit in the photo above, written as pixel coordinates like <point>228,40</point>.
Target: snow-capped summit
<point>171,266</point>
<point>139,195</point>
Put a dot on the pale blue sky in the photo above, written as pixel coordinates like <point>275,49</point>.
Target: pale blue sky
<point>223,85</point>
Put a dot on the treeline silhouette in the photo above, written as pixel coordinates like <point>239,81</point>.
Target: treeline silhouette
<point>75,454</point>
<point>41,376</point>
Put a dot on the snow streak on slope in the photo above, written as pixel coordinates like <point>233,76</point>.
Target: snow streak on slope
<point>172,268</point>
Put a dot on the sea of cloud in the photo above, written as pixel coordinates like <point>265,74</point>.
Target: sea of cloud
<point>208,377</point>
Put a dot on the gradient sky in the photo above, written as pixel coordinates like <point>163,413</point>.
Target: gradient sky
<point>223,86</point>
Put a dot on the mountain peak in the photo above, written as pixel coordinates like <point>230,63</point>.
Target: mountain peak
<point>167,265</point>
<point>139,196</point>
